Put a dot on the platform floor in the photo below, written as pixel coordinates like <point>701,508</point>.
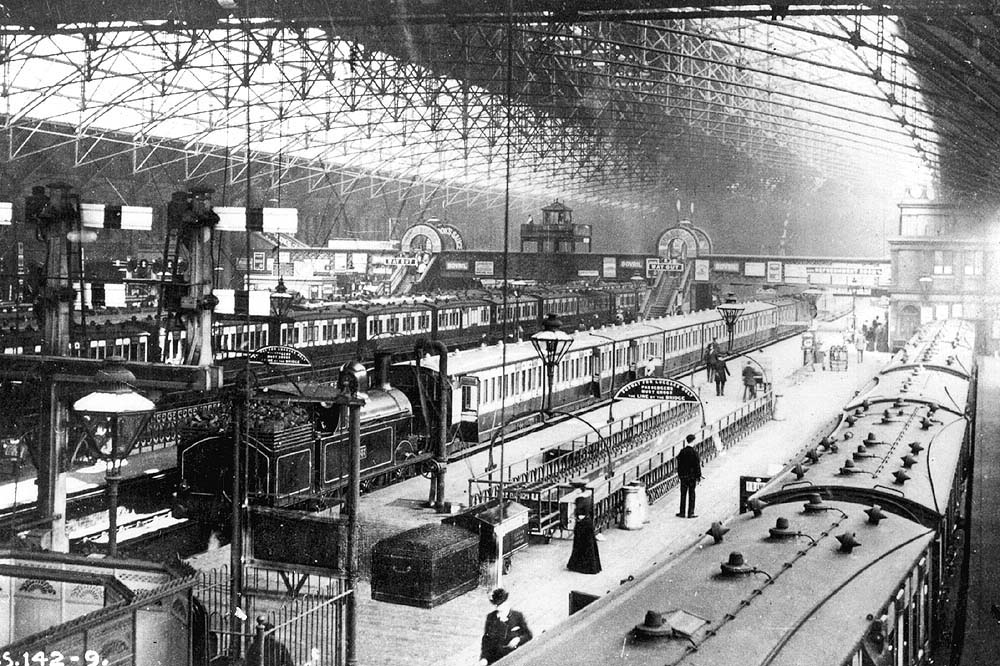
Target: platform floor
<point>983,595</point>
<point>539,583</point>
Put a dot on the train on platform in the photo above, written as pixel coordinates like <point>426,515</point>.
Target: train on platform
<point>333,333</point>
<point>849,556</point>
<point>488,382</point>
<point>401,423</point>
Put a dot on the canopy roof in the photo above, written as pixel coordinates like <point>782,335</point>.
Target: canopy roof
<point>614,103</point>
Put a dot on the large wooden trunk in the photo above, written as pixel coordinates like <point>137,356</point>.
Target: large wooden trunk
<point>425,566</point>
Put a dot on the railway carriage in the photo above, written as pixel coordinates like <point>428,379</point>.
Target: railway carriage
<point>485,381</point>
<point>846,556</point>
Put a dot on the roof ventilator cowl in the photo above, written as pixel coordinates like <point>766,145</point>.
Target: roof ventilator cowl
<point>781,530</point>
<point>736,565</point>
<point>926,423</point>
<point>848,468</point>
<point>900,476</point>
<point>870,440</point>
<point>862,453</point>
<point>799,471</point>
<point>908,461</point>
<point>875,514</point>
<point>886,417</point>
<point>847,542</point>
<point>916,447</point>
<point>653,626</point>
<point>812,455</point>
<point>717,532</point>
<point>814,503</point>
<point>757,506</point>
<point>851,420</point>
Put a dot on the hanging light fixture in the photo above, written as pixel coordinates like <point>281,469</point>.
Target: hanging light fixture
<point>113,399</point>
<point>551,344</point>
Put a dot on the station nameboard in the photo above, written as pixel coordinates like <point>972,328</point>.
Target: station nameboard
<point>748,486</point>
<point>655,266</point>
<point>278,355</point>
<point>658,388</point>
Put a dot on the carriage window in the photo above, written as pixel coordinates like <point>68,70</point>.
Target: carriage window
<point>466,398</point>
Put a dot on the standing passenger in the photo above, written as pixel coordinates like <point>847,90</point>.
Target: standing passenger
<point>749,381</point>
<point>859,345</point>
<point>721,373</point>
<point>689,473</point>
<point>711,355</point>
<point>585,558</point>
<point>505,631</point>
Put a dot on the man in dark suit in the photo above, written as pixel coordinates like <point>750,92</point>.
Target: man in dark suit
<point>711,356</point>
<point>689,473</point>
<point>506,629</point>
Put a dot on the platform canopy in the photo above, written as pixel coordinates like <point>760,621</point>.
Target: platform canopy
<point>626,103</point>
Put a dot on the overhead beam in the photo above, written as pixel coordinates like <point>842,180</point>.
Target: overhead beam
<point>70,370</point>
<point>50,16</point>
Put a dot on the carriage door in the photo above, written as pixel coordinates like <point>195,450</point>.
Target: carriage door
<point>595,373</point>
<point>468,408</point>
<point>633,360</point>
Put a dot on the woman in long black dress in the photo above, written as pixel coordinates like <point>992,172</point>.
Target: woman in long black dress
<point>584,558</point>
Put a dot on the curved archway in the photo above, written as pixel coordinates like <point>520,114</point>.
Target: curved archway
<point>421,238</point>
<point>677,244</point>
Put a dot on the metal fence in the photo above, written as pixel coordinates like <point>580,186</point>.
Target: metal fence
<point>582,454</point>
<point>293,617</point>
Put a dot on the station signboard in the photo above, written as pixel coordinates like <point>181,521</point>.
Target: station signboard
<point>701,270</point>
<point>658,388</point>
<point>774,272</point>
<point>748,486</point>
<point>655,266</point>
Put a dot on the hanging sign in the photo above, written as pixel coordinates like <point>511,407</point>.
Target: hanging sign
<point>278,355</point>
<point>658,388</point>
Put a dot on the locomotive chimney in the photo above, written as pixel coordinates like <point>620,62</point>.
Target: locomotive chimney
<point>382,361</point>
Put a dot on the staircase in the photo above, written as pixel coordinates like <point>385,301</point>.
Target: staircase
<point>662,298</point>
<point>409,278</point>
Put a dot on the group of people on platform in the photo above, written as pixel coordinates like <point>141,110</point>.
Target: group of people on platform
<point>506,629</point>
<point>718,371</point>
<point>870,337</point>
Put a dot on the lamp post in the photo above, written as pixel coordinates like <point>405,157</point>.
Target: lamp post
<point>103,408</point>
<point>730,312</point>
<point>281,300</point>
<point>551,344</point>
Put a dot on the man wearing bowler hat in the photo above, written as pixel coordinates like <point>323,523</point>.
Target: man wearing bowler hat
<point>506,629</point>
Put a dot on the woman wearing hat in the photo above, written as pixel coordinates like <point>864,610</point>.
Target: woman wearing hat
<point>506,629</point>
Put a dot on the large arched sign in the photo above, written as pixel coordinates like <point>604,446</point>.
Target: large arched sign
<point>682,242</point>
<point>412,239</point>
<point>450,232</point>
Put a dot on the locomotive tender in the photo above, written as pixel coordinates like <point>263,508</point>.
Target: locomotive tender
<point>845,557</point>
